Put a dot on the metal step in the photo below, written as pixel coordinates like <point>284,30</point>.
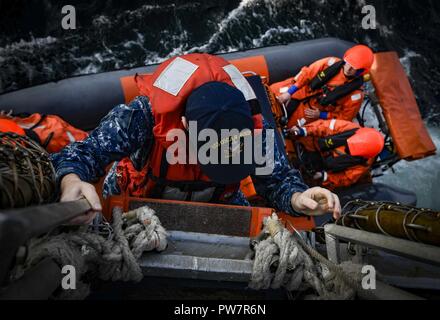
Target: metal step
<point>201,256</point>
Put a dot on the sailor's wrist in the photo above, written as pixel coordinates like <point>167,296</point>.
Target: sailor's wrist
<point>68,179</point>
<point>69,174</point>
<point>323,115</point>
<point>292,90</point>
<point>294,203</point>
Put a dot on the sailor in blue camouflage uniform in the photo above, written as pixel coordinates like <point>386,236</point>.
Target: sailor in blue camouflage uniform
<point>127,132</point>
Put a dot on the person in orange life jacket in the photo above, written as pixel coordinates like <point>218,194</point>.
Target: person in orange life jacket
<point>330,88</point>
<point>49,131</point>
<point>209,91</point>
<point>341,153</point>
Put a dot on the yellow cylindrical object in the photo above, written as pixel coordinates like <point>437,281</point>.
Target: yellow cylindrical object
<point>394,220</point>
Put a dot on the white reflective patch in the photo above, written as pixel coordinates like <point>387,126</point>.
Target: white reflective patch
<point>305,131</point>
<point>297,76</point>
<point>174,77</point>
<point>332,124</point>
<point>284,90</point>
<point>356,97</point>
<point>302,122</point>
<point>325,178</point>
<point>26,125</point>
<point>240,82</point>
<point>331,61</point>
<point>70,136</point>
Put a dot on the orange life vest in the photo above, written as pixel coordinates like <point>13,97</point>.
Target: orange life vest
<point>50,131</point>
<point>168,98</point>
<point>7,125</point>
<point>345,108</point>
<point>331,138</point>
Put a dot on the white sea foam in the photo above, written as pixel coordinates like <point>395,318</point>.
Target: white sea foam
<point>27,45</point>
<point>406,60</point>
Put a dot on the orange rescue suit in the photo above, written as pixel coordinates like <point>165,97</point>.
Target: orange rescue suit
<point>326,128</point>
<point>50,131</point>
<point>346,108</point>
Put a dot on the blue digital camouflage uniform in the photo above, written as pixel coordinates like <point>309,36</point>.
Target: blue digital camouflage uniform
<point>127,131</point>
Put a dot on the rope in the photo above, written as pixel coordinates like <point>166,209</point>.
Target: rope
<point>90,253</point>
<point>283,260</point>
<point>27,176</point>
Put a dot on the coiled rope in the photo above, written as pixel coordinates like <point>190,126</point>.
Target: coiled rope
<point>90,253</point>
<point>299,267</point>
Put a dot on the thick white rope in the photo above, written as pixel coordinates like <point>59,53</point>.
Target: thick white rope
<point>297,268</point>
<point>114,259</point>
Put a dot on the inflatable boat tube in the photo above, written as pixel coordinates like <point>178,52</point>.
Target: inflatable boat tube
<point>84,100</point>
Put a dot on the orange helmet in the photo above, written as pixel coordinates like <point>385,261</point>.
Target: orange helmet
<point>7,125</point>
<point>366,142</point>
<point>360,57</point>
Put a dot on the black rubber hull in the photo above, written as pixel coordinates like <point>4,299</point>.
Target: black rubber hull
<point>84,100</point>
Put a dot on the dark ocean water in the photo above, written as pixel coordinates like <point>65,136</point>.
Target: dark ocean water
<point>113,34</point>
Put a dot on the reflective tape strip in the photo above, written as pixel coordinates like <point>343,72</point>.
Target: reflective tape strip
<point>331,61</point>
<point>284,90</point>
<point>332,124</point>
<point>297,76</point>
<point>26,125</point>
<point>174,77</point>
<point>302,122</point>
<point>240,82</point>
<point>325,178</point>
<point>356,97</point>
<point>70,136</point>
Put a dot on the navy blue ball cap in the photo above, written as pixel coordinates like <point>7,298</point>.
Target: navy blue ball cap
<point>219,106</point>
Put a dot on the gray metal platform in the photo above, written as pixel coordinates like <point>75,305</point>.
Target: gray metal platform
<point>399,262</point>
<point>201,256</point>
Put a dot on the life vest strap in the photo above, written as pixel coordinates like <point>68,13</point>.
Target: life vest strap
<point>332,142</point>
<point>330,97</point>
<point>343,162</point>
<point>323,77</point>
<point>33,136</point>
<point>292,107</point>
